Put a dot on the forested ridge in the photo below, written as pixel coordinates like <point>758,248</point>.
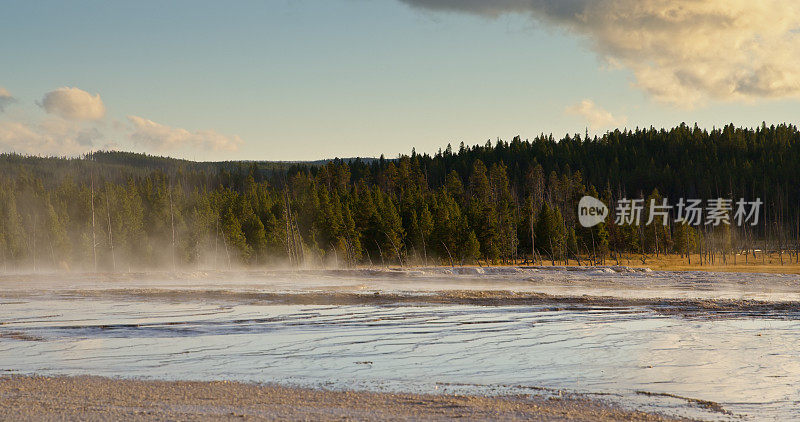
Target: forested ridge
<point>504,201</point>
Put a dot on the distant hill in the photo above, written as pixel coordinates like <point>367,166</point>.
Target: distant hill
<point>121,165</point>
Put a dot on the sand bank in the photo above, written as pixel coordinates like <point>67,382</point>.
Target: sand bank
<point>97,398</point>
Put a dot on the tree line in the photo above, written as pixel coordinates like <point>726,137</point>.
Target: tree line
<point>501,202</point>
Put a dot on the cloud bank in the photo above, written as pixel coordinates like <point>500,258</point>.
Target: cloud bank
<point>596,116</point>
<point>53,136</point>
<point>164,138</point>
<point>682,52</point>
<point>5,99</point>
<point>74,104</point>
<point>75,124</point>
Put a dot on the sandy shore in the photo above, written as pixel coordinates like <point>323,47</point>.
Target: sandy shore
<point>97,398</point>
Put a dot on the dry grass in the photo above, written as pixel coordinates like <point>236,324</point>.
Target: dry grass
<point>771,263</point>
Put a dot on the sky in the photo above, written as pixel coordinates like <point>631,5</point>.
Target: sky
<point>314,79</point>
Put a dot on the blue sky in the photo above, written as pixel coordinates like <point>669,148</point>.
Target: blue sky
<point>302,79</point>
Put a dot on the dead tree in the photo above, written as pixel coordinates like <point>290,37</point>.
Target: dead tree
<point>380,251</point>
<point>396,249</point>
<point>34,242</point>
<point>110,235</point>
<point>172,226</point>
<point>294,248</point>
<point>448,254</point>
<point>94,233</point>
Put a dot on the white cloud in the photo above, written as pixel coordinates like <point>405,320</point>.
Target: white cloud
<point>5,99</point>
<point>74,104</point>
<point>163,138</point>
<point>49,137</point>
<point>596,116</point>
<point>76,126</point>
<point>682,52</point>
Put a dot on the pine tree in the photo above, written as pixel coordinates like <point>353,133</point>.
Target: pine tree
<point>425,230</point>
<point>234,236</point>
<point>550,232</point>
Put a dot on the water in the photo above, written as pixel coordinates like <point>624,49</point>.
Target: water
<point>721,362</point>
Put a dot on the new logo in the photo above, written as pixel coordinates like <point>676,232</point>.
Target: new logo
<point>591,211</point>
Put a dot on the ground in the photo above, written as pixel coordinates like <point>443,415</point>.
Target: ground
<point>96,398</point>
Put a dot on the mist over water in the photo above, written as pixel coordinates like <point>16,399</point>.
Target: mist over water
<point>711,345</point>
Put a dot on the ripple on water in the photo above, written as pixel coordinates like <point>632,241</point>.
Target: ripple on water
<point>688,343</point>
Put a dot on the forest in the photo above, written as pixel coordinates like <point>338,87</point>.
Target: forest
<point>498,203</point>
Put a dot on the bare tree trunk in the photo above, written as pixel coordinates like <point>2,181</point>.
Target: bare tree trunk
<point>294,244</point>
<point>110,235</point>
<point>369,258</point>
<point>380,251</point>
<point>688,249</point>
<point>34,243</point>
<point>448,254</point>
<point>172,225</point>
<point>764,252</point>
<point>533,234</point>
<point>641,240</point>
<point>94,234</point>
<point>700,245</point>
<point>297,240</point>
<point>655,238</point>
<point>424,251</point>
<point>225,245</point>
<point>396,250</point>
<point>289,250</point>
<point>745,244</point>
<point>216,246</point>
